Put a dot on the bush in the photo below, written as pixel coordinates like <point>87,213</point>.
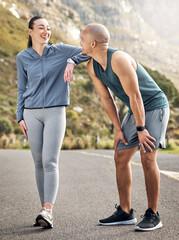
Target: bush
<point>66,144</point>
<point>17,130</point>
<point>176,134</point>
<point>88,86</point>
<point>5,126</point>
<point>165,84</point>
<point>81,131</point>
<point>176,101</point>
<point>172,126</point>
<point>72,115</point>
<point>85,99</point>
<point>105,144</point>
<point>78,144</point>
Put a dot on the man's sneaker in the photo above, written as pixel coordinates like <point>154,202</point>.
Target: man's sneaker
<point>45,218</point>
<point>151,221</point>
<point>119,218</point>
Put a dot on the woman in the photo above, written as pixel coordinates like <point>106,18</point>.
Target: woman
<point>42,97</point>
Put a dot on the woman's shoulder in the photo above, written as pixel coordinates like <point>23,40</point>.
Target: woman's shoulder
<point>65,47</point>
<point>23,53</point>
<point>59,45</point>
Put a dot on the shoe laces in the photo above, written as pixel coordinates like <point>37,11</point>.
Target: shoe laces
<point>148,216</point>
<point>116,206</point>
<point>117,209</point>
<point>45,210</point>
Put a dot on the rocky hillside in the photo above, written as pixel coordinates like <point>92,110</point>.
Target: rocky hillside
<point>148,30</point>
<point>129,31</point>
<point>138,27</point>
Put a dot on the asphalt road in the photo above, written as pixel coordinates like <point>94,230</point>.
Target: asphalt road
<point>87,193</point>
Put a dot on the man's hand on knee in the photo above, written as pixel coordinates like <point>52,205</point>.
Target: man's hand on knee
<point>146,140</point>
<point>119,136</point>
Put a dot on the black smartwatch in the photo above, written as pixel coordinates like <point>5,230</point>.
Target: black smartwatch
<point>140,128</point>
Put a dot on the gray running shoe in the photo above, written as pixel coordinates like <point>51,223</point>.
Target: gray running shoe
<point>45,218</point>
<point>36,224</point>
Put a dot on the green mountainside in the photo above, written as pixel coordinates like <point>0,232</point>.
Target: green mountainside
<point>86,118</point>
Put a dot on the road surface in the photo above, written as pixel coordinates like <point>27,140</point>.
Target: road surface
<point>87,192</point>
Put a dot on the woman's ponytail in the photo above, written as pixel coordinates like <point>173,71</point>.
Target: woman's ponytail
<point>31,23</point>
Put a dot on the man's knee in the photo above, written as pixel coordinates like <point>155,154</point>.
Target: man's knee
<point>123,157</point>
<point>120,158</point>
<point>148,160</point>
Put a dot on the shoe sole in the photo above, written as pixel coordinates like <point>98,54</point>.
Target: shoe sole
<point>44,223</point>
<point>36,224</point>
<point>127,222</point>
<point>160,225</point>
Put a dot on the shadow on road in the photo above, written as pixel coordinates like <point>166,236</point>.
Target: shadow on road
<point>21,230</point>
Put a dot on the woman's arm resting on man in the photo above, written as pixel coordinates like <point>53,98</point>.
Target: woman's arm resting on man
<point>75,60</point>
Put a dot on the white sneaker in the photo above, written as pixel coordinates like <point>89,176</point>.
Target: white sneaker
<point>45,218</point>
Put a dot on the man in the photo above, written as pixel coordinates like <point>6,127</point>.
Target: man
<point>144,125</point>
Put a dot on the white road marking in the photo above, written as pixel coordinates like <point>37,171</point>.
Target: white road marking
<point>170,174</point>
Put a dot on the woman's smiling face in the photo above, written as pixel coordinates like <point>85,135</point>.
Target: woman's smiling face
<point>41,31</point>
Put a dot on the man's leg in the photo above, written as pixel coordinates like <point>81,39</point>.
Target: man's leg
<point>151,218</point>
<point>156,124</point>
<point>152,178</point>
<point>124,213</point>
<point>124,176</point>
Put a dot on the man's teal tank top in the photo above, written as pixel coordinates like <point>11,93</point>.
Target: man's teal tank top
<point>153,97</point>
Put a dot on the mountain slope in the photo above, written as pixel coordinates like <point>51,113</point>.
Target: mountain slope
<point>162,16</point>
<point>85,116</point>
<point>131,32</point>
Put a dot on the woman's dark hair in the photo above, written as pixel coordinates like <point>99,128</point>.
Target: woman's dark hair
<point>31,23</point>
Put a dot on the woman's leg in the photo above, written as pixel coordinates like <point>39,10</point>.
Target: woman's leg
<point>35,138</point>
<point>54,130</point>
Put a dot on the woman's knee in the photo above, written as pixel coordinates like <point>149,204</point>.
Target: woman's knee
<point>50,165</point>
<point>38,161</point>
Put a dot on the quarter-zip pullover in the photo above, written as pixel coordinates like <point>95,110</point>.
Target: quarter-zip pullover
<point>41,79</point>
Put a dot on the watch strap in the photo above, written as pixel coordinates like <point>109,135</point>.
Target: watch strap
<point>69,60</point>
<point>140,128</point>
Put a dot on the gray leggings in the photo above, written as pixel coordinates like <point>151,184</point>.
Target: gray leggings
<point>46,129</point>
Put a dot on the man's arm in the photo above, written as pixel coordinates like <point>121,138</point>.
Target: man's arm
<point>107,102</point>
<point>122,66</point>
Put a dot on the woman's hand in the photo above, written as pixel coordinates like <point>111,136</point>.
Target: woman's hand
<point>145,140</point>
<point>23,128</point>
<point>68,75</point>
<point>119,136</point>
